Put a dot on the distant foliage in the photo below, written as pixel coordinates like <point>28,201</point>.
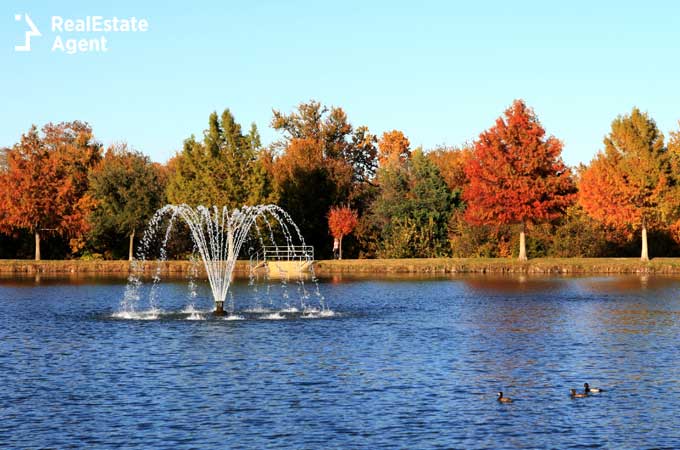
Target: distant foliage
<point>507,194</point>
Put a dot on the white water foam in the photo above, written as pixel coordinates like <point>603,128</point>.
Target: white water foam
<point>151,314</point>
<point>234,317</point>
<point>313,313</point>
<point>257,310</point>
<point>273,316</point>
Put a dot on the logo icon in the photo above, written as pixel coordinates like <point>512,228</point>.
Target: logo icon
<point>32,32</point>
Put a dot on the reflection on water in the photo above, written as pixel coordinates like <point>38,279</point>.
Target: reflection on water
<point>402,363</point>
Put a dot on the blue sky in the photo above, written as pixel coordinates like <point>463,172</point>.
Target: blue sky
<point>441,71</point>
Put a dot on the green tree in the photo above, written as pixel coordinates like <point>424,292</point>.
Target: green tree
<point>576,235</point>
<point>412,209</point>
<point>128,189</point>
<point>224,169</point>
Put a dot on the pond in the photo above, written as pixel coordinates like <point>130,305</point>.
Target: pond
<point>399,363</point>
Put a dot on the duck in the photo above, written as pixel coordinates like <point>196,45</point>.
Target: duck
<point>589,390</point>
<point>575,394</point>
<point>503,399</point>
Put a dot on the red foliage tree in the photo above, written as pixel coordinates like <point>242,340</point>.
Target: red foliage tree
<point>516,174</point>
<point>44,188</point>
<point>341,222</point>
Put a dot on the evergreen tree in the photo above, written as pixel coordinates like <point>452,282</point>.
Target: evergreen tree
<point>225,169</point>
<point>412,209</point>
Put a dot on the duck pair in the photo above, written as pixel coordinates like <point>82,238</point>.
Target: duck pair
<point>587,390</point>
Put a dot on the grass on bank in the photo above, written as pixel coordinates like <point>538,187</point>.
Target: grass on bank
<point>377,266</point>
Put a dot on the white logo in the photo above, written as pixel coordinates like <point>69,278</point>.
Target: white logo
<point>33,31</point>
<point>88,34</point>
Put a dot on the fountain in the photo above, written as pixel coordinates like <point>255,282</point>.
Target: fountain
<point>218,236</point>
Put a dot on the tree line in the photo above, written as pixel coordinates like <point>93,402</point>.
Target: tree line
<point>507,193</point>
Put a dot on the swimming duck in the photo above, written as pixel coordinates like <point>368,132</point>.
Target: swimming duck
<point>575,394</point>
<point>503,399</point>
<point>589,390</point>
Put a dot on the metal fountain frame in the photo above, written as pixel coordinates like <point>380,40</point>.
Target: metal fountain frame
<point>301,253</point>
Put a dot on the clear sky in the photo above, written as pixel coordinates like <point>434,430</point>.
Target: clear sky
<point>441,71</point>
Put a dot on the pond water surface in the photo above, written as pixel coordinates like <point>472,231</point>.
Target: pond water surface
<point>400,363</point>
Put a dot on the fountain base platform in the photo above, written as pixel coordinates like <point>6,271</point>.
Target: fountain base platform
<point>219,309</point>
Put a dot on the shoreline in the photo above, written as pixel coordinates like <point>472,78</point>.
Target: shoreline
<point>425,266</point>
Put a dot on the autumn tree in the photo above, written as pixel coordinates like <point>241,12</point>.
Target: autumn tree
<point>224,168</point>
<point>338,138</point>
<point>128,188</point>
<point>44,188</point>
<point>516,174</point>
<point>307,183</point>
<point>630,184</point>
<point>393,147</point>
<point>451,162</point>
<point>341,222</point>
<point>321,161</point>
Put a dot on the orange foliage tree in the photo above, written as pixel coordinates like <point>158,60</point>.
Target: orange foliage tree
<point>44,188</point>
<point>308,183</point>
<point>674,154</point>
<point>393,146</point>
<point>516,174</point>
<point>451,163</point>
<point>322,160</point>
<point>341,222</point>
<point>630,185</point>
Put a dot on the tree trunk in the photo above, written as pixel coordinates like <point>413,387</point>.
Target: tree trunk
<point>522,244</point>
<point>645,253</point>
<point>132,245</point>
<point>340,248</point>
<point>37,245</point>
